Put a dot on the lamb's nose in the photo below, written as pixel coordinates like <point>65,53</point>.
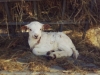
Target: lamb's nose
<point>36,36</point>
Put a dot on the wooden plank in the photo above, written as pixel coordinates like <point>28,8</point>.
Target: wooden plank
<point>16,0</point>
<point>52,23</point>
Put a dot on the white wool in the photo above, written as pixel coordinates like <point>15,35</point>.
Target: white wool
<point>48,41</point>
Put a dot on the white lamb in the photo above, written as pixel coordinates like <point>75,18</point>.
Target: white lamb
<point>50,44</point>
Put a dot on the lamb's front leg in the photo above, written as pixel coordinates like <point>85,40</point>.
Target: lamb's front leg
<point>59,53</point>
<point>42,50</point>
<point>39,51</point>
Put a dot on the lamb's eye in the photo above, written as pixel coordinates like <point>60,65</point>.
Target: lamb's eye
<point>30,29</point>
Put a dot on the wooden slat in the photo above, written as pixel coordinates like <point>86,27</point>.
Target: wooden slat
<point>52,23</point>
<point>16,0</point>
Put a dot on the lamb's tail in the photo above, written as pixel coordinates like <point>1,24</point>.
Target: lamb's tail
<point>75,53</point>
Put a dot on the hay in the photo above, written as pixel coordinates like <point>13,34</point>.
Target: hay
<point>84,13</point>
<point>75,10</point>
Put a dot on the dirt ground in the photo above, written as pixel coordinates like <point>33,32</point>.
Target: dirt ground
<point>15,55</point>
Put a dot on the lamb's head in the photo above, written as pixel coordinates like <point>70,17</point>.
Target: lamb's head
<point>35,29</point>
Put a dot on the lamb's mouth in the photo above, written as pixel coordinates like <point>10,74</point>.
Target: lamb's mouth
<point>35,37</point>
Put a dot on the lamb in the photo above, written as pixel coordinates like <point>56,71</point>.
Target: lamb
<point>50,44</point>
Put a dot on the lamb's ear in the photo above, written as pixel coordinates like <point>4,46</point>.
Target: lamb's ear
<point>25,27</point>
<point>46,26</point>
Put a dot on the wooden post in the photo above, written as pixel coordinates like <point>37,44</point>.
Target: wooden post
<point>63,11</point>
<point>11,28</point>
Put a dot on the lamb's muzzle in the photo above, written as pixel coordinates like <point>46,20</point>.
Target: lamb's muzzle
<point>42,43</point>
<point>35,36</point>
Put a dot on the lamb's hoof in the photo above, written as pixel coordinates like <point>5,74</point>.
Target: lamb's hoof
<point>49,52</point>
<point>51,57</point>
